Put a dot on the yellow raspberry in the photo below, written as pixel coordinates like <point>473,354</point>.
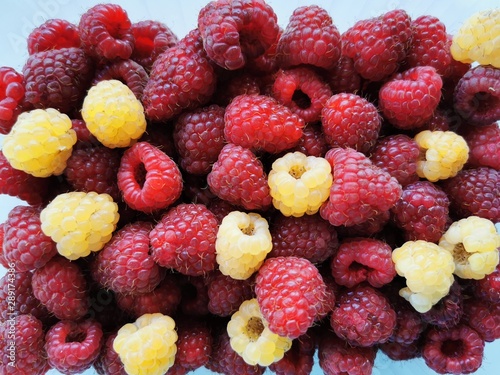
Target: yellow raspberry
<point>243,241</point>
<point>474,244</point>
<point>428,270</point>
<point>79,222</point>
<point>299,184</point>
<point>147,346</point>
<point>251,337</point>
<point>113,114</point>
<point>442,154</point>
<point>40,142</point>
<point>478,40</point>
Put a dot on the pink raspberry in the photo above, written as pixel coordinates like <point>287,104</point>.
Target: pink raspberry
<point>53,34</point>
<point>227,294</point>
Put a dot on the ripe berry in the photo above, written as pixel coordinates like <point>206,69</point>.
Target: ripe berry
<point>484,145</point>
<point>299,359</point>
<point>11,96</point>
<point>108,362</point>
<point>227,294</point>
<point>484,317</point>
<point>194,344</point>
<point>53,34</point>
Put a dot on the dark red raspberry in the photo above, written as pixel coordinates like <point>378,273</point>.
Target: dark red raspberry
<point>238,177</point>
<point>484,145</point>
<point>72,347</point>
<point>22,346</point>
<point>105,32</point>
<point>128,71</point>
<point>409,325</point>
<point>370,227</point>
<point>488,288</point>
<point>227,294</point>
<point>360,190</point>
<point>220,208</point>
<point>53,34</point>
<point>484,317</point>
<point>456,70</point>
<point>104,309</point>
<point>160,137</point>
<point>199,137</point>
<point>124,265</point>
<point>194,344</point>
<point>83,135</point>
<point>57,78</point>
<point>194,291</point>
<point>148,178</point>
<point>303,91</point>
<point>299,359</point>
<point>234,31</point>
<point>310,38</point>
<point>401,352</point>
<point>11,97</point>
<point>348,120</point>
<point>234,83</point>
<point>181,78</point>
<point>310,237</point>
<point>448,311</point>
<point>457,350</point>
<point>259,122</point>
<point>441,120</point>
<point>196,190</point>
<point>378,45</point>
<point>409,99</point>
<point>108,362</point>
<point>477,95</point>
<point>312,142</point>
<point>474,192</point>
<point>422,212</point>
<point>344,77</point>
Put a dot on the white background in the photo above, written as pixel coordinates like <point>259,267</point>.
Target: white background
<point>19,17</point>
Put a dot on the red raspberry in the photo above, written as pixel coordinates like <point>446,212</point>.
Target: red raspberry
<point>84,137</point>
<point>124,265</point>
<point>484,317</point>
<point>370,227</point>
<point>196,190</point>
<point>401,352</point>
<point>267,63</point>
<point>409,325</point>
<point>457,350</point>
<point>312,142</point>
<point>104,308</point>
<point>194,344</point>
<point>440,120</point>
<point>11,97</point>
<point>448,311</point>
<point>233,83</point>
<point>72,347</point>
<point>181,78</point>
<point>309,38</point>
<point>161,138</point>
<point>349,120</point>
<point>290,308</point>
<point>299,359</point>
<point>378,45</point>
<point>344,77</point>
<point>260,122</point>
<point>477,95</point>
<point>53,34</point>
<point>422,212</point>
<point>105,32</point>
<point>303,91</point>
<point>397,154</point>
<point>360,190</point>
<point>488,288</point>
<point>227,294</point>
<point>60,285</point>
<point>148,178</point>
<point>234,31</point>
<point>484,146</point>
<point>410,98</point>
<point>456,70</point>
<point>128,71</point>
<point>310,237</point>
<point>194,291</point>
<point>108,362</point>
<point>474,192</point>
<point>238,177</point>
<point>57,78</point>
<point>23,335</point>
<point>363,259</point>
<point>199,137</point>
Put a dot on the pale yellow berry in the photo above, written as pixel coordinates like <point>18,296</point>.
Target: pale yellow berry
<point>251,337</point>
<point>147,346</point>
<point>113,114</point>
<point>243,241</point>
<point>40,142</point>
<point>299,184</point>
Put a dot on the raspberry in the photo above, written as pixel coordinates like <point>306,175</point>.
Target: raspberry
<point>378,45</point>
<point>148,345</point>
<point>124,264</point>
<point>488,288</point>
<point>428,269</point>
<point>23,336</point>
<point>199,138</point>
<point>184,239</point>
<point>53,34</point>
<point>11,97</point>
<point>113,114</point>
<point>310,237</point>
<point>483,317</point>
<point>227,294</point>
<point>236,82</point>
<point>196,190</point>
<point>161,138</point>
<point>234,31</point>
<point>194,291</point>
<point>290,308</point>
<point>475,39</point>
<point>194,345</point>
<point>312,142</point>
<point>72,347</point>
<point>421,212</point>
<point>310,38</point>
<point>448,311</point>
<point>457,350</point>
<point>80,223</point>
<point>363,259</point>
<point>302,90</point>
<point>349,120</point>
<point>401,352</point>
<point>243,241</point>
<point>148,178</point>
<point>40,142</point>
<point>473,242</point>
<point>299,359</point>
<point>238,177</point>
<point>61,287</point>
<point>442,154</point>
<point>83,135</point>
<point>108,362</point>
<point>105,32</point>
<point>409,99</point>
<point>360,190</point>
<point>370,227</point>
<point>343,78</point>
<point>409,325</point>
<point>484,146</point>
<point>476,97</point>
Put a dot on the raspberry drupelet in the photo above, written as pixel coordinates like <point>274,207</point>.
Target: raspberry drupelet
<point>11,97</point>
<point>54,33</point>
